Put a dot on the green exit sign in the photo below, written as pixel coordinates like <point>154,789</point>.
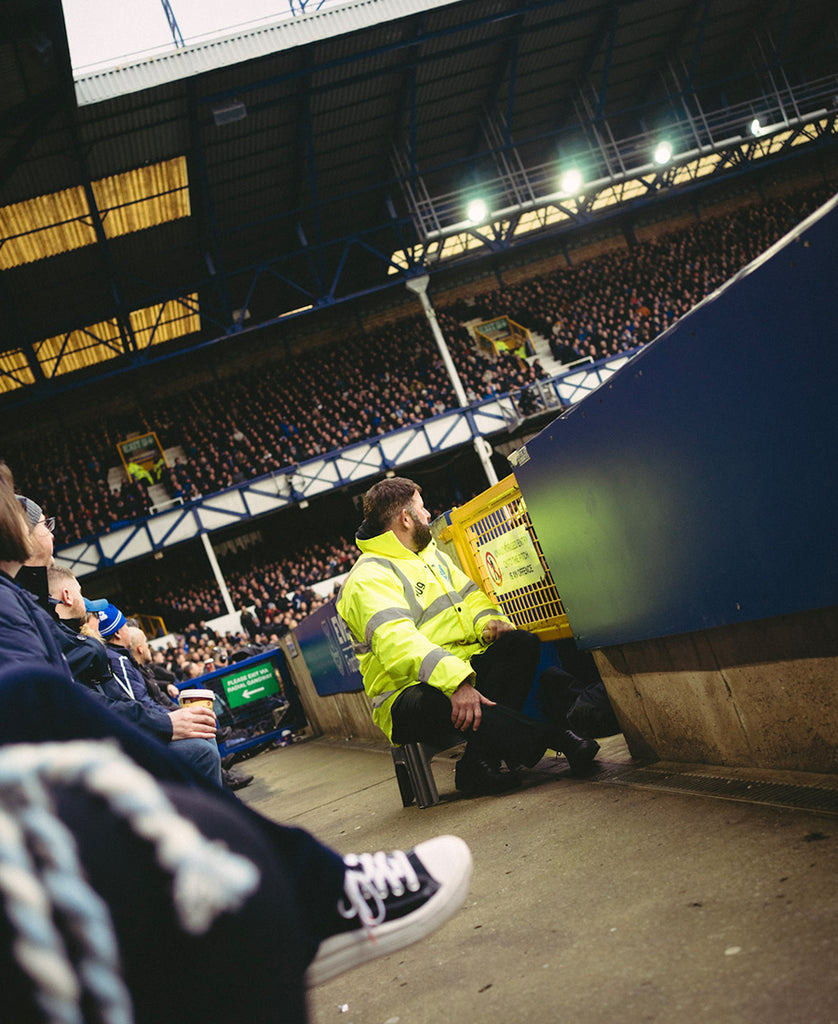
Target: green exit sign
<point>252,683</point>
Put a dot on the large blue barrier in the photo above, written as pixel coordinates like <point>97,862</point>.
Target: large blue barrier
<point>697,487</point>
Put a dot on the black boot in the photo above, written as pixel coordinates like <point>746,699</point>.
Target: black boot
<point>475,775</point>
<point>579,753</point>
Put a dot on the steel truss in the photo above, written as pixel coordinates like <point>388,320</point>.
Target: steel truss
<point>523,203</point>
<point>705,144</point>
<point>298,484</point>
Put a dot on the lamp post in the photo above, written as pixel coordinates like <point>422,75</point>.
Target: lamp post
<point>419,287</point>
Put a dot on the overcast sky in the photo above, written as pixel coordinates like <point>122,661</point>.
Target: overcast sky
<point>106,30</point>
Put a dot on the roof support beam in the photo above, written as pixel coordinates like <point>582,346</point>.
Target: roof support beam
<point>121,312</point>
<point>203,210</point>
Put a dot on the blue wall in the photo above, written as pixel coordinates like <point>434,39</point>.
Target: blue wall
<point>697,487</point>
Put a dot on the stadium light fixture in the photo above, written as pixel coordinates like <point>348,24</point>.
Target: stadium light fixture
<point>663,153</point>
<point>477,211</point>
<point>755,127</point>
<point>571,181</point>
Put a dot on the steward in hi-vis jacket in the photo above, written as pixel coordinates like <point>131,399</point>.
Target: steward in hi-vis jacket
<point>440,661</point>
<point>415,616</point>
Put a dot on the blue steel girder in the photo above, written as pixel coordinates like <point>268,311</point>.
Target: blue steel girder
<point>696,51</point>
<point>778,45</point>
<point>24,339</point>
<point>505,69</point>
<point>606,68</point>
<point>29,119</point>
<point>673,45</point>
<point>406,97</point>
<point>174,28</point>
<point>451,430</point>
<point>305,161</point>
<point>592,51</point>
<point>203,208</point>
<point>121,312</point>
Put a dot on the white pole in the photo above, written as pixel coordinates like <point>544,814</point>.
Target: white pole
<point>419,286</point>
<point>216,571</point>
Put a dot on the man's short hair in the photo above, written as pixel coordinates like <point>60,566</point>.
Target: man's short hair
<point>57,578</point>
<point>15,545</point>
<point>384,501</point>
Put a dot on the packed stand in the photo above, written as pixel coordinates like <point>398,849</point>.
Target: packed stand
<point>279,589</point>
<point>270,418</point>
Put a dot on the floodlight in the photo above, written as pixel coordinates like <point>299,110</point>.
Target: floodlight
<point>571,181</point>
<point>756,127</point>
<point>663,153</point>
<point>476,211</point>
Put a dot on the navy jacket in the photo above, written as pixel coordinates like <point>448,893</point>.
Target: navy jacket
<point>27,633</point>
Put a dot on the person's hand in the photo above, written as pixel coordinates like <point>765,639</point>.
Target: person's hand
<point>173,691</point>
<point>193,722</point>
<point>467,707</point>
<point>493,629</point>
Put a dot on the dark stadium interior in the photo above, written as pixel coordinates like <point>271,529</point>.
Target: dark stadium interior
<point>303,202</point>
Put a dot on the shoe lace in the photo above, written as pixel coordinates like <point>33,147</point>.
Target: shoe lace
<point>370,878</point>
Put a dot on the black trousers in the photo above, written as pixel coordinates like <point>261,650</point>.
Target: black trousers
<point>505,673</point>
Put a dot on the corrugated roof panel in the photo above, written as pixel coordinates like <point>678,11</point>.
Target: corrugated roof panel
<point>44,226</point>
<point>14,371</point>
<point>60,222</point>
<point>102,342</point>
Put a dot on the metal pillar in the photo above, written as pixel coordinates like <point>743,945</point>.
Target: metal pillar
<point>419,286</point>
<point>216,571</point>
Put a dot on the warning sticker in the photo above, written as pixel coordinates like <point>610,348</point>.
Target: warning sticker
<point>512,561</point>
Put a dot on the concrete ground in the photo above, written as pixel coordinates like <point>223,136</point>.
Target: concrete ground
<point>608,900</point>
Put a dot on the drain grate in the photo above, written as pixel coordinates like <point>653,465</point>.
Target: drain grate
<point>756,791</point>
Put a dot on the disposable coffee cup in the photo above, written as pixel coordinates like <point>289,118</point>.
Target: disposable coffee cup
<point>196,698</point>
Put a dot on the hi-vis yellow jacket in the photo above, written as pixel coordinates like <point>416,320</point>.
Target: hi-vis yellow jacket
<point>414,618</point>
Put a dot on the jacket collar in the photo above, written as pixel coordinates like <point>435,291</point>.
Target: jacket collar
<point>389,545</point>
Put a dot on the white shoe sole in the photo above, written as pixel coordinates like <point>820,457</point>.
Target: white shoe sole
<point>448,860</point>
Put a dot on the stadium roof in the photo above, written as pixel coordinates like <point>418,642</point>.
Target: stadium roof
<point>226,186</point>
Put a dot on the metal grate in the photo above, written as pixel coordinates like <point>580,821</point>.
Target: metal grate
<point>745,790</point>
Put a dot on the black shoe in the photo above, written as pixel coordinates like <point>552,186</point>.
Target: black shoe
<point>580,753</point>
<point>391,900</point>
<point>235,780</point>
<point>475,776</point>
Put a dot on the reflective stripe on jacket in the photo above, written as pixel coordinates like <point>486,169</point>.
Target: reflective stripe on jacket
<point>414,618</point>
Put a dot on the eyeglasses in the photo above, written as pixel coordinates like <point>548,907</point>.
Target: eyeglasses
<point>48,522</point>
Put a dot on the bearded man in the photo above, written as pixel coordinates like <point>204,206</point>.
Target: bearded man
<point>440,661</point>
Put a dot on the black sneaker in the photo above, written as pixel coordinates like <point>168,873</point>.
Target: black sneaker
<point>391,900</point>
<point>475,776</point>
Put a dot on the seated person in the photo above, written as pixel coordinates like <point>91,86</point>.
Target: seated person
<point>299,914</point>
<point>189,731</point>
<point>440,661</point>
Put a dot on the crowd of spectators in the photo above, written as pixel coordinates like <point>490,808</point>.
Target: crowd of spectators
<point>279,589</point>
<point>269,418</point>
<point>621,300</point>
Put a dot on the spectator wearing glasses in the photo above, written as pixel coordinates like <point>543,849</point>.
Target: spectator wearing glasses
<point>33,573</point>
